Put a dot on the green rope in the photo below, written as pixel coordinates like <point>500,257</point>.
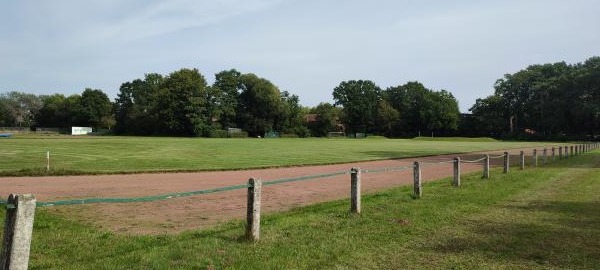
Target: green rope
<point>308,177</point>
<point>198,192</point>
<point>140,199</point>
<point>391,169</point>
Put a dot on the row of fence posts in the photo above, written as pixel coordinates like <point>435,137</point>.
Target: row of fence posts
<point>20,208</point>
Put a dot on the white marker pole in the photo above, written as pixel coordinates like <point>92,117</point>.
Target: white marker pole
<point>48,159</point>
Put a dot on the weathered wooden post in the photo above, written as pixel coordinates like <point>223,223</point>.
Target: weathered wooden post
<point>18,227</point>
<point>535,158</point>
<point>486,167</point>
<point>571,151</point>
<point>506,162</point>
<point>566,152</point>
<point>545,156</point>
<point>355,190</point>
<point>253,213</point>
<point>418,189</point>
<point>522,160</point>
<point>456,181</point>
<point>553,154</point>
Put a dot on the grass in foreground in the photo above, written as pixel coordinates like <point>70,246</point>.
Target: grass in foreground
<point>541,218</point>
<point>101,155</point>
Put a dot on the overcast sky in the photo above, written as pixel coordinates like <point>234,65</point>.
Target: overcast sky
<point>306,47</point>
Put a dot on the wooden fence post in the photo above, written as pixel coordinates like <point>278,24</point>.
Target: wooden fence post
<point>506,162</point>
<point>535,158</point>
<point>544,156</point>
<point>486,167</point>
<point>418,189</point>
<point>571,151</point>
<point>566,152</point>
<point>553,154</point>
<point>355,190</point>
<point>253,213</point>
<point>18,227</point>
<point>456,181</point>
<point>522,160</point>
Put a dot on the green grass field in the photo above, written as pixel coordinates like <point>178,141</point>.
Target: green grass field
<point>542,218</point>
<point>72,155</point>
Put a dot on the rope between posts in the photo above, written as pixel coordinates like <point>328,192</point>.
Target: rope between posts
<point>301,178</point>
<point>140,199</point>
<point>428,162</point>
<point>175,195</point>
<point>473,161</point>
<point>392,169</point>
<point>500,156</point>
<point>424,165</point>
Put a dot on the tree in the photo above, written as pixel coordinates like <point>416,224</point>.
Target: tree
<point>21,108</point>
<point>55,112</point>
<point>182,104</point>
<point>226,89</point>
<point>327,118</point>
<point>422,110</point>
<point>6,117</point>
<point>443,114</point>
<point>489,116</point>
<point>260,106</point>
<point>95,108</point>
<point>293,116</point>
<point>359,101</point>
<point>548,100</point>
<point>387,118</point>
<point>136,107</point>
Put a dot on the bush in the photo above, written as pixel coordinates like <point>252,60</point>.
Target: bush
<point>219,133</point>
<point>242,134</point>
<point>290,135</point>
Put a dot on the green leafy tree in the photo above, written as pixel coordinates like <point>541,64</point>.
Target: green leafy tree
<point>292,120</point>
<point>260,106</point>
<point>21,108</point>
<point>182,104</point>
<point>95,106</point>
<point>489,116</point>
<point>226,89</point>
<point>6,116</point>
<point>422,109</point>
<point>359,101</point>
<point>546,100</point>
<point>387,118</point>
<point>326,120</point>
<point>56,112</point>
<point>136,107</point>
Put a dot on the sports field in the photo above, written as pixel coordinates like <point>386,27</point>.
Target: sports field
<point>538,218</point>
<point>75,155</point>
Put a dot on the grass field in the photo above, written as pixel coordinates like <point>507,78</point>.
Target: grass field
<point>72,155</point>
<point>543,218</point>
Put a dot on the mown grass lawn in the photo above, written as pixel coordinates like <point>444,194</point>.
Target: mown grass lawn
<point>542,218</point>
<point>72,155</point>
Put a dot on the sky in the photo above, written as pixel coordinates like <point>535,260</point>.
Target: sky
<point>305,47</point>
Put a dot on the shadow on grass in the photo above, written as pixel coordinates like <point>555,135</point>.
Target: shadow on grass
<point>567,236</point>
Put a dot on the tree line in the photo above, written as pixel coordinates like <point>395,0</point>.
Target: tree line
<point>554,101</point>
<point>541,101</point>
